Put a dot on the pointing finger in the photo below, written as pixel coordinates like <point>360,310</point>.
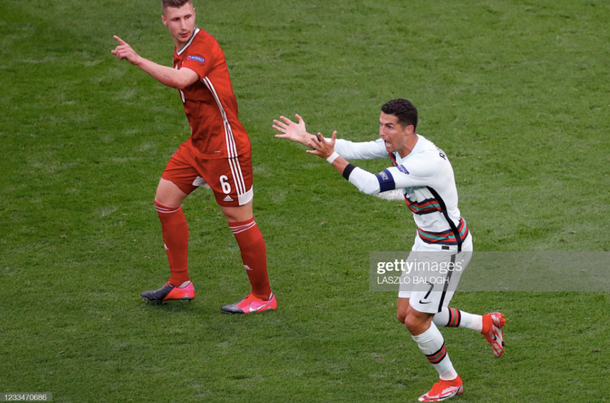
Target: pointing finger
<point>119,40</point>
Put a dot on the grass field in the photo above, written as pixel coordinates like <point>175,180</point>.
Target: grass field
<point>515,92</point>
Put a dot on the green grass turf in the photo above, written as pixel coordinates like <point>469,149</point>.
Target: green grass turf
<point>516,93</point>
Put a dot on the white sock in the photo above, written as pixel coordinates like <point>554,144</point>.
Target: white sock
<point>451,317</point>
<point>432,344</point>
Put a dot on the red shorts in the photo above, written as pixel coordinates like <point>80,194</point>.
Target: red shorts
<point>229,178</point>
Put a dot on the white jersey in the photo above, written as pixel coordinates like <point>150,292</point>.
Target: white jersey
<point>426,179</point>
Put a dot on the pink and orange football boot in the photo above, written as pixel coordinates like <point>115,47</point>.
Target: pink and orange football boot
<point>251,304</point>
<point>492,330</point>
<point>168,292</point>
<point>443,390</point>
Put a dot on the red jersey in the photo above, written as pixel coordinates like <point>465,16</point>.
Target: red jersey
<point>209,103</point>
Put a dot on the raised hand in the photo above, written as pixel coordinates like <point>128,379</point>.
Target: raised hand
<point>322,147</point>
<point>291,130</point>
<point>125,52</point>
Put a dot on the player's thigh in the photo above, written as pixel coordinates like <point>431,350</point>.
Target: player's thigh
<point>431,302</point>
<point>431,278</point>
<point>169,194</point>
<point>241,213</point>
<point>230,179</point>
<point>181,172</point>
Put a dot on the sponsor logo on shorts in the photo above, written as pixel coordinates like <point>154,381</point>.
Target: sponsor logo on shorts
<point>228,199</point>
<point>402,169</point>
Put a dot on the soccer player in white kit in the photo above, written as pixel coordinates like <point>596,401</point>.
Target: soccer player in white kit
<point>423,174</point>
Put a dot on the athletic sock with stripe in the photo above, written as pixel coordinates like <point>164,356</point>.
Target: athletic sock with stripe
<point>176,238</point>
<point>432,344</point>
<point>254,256</point>
<point>451,317</point>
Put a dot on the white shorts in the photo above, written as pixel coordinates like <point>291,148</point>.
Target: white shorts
<point>437,296</point>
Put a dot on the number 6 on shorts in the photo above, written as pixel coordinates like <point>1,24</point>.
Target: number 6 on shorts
<point>226,186</point>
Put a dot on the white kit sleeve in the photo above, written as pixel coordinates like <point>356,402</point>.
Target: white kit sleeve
<point>361,151</point>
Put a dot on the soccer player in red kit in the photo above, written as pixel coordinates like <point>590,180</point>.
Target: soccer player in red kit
<point>216,155</point>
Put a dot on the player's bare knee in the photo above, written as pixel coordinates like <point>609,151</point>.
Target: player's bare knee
<point>169,194</point>
<point>401,316</point>
<point>402,309</point>
<point>418,322</point>
<point>413,324</point>
<point>412,327</point>
<point>241,213</point>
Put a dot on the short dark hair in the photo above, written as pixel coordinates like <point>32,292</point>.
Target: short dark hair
<point>404,110</point>
<point>174,3</point>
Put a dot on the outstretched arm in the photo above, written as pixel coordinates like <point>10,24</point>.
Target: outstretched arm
<point>365,181</point>
<point>179,79</point>
<point>297,132</point>
<point>326,149</point>
<point>292,131</point>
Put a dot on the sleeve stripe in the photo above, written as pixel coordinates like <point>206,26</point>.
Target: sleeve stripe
<point>348,170</point>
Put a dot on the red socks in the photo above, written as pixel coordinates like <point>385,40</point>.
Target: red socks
<point>253,255</point>
<point>247,234</point>
<point>176,239</point>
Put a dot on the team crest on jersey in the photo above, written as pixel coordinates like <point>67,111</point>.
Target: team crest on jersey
<point>402,169</point>
<point>196,58</point>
